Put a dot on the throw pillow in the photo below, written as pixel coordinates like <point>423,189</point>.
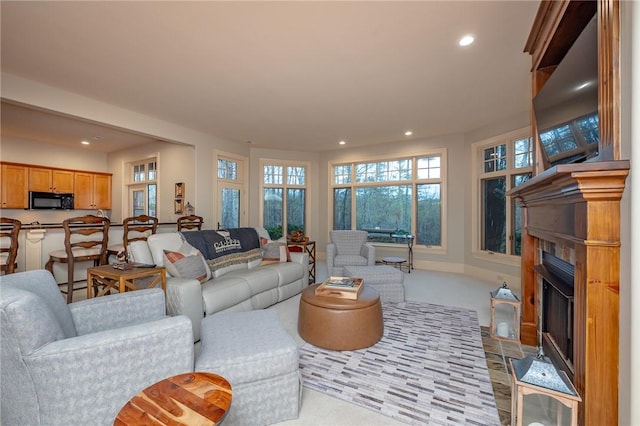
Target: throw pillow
<point>274,251</point>
<point>188,262</point>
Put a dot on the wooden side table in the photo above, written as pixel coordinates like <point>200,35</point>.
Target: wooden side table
<point>185,399</point>
<point>122,280</point>
<point>309,247</point>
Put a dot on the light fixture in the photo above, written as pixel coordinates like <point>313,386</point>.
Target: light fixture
<point>342,143</point>
<point>85,143</point>
<point>466,40</point>
<point>408,133</point>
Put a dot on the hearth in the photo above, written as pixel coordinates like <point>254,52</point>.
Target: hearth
<point>557,298</point>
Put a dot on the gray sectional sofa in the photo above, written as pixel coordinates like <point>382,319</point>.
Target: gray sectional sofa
<point>236,277</point>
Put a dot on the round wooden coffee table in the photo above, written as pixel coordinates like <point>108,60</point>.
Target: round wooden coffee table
<point>185,399</point>
<point>340,324</point>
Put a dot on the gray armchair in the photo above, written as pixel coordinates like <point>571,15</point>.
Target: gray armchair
<point>349,248</point>
<point>78,364</point>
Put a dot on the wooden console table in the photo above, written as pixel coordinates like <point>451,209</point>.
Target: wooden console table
<point>122,280</point>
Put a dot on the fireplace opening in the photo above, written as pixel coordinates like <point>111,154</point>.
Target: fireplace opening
<point>557,310</point>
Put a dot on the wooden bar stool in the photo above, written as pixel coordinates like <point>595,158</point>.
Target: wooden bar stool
<point>190,222</point>
<point>9,231</point>
<point>135,228</point>
<point>86,238</point>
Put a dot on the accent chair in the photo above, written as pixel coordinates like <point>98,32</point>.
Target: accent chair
<point>349,248</point>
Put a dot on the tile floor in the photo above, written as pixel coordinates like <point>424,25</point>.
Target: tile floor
<point>497,352</point>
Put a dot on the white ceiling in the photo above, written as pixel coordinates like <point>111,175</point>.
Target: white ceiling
<point>287,75</point>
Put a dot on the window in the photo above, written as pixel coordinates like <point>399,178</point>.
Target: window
<point>283,198</point>
<point>231,191</point>
<point>391,197</point>
<point>503,163</point>
<point>143,196</point>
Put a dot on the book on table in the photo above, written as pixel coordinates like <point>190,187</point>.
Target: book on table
<point>341,287</point>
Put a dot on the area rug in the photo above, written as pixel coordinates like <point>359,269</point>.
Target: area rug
<point>429,368</point>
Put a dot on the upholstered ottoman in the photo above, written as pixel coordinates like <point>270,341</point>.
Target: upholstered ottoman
<point>260,361</point>
<point>340,324</point>
<point>386,279</point>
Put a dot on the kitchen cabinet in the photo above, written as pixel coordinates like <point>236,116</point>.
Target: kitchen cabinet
<point>50,180</point>
<point>92,191</point>
<point>14,186</point>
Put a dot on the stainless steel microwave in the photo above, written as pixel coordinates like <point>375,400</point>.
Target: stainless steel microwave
<point>50,200</point>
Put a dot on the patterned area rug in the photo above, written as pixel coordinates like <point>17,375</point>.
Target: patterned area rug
<point>429,368</point>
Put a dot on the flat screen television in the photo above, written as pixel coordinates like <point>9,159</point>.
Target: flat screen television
<point>566,108</point>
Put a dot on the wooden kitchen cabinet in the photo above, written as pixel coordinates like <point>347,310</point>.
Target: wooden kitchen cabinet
<point>92,191</point>
<point>50,180</point>
<point>14,186</point>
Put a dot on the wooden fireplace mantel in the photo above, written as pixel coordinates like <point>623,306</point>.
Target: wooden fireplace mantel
<point>578,206</point>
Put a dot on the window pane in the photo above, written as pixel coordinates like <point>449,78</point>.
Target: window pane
<point>273,175</point>
<point>523,153</point>
<point>137,201</point>
<point>516,247</point>
<point>152,200</point>
<point>152,171</point>
<point>342,208</point>
<point>295,210</point>
<point>342,175</point>
<point>429,168</point>
<point>230,208</point>
<point>227,169</point>
<point>272,215</point>
<point>429,215</point>
<point>295,175</point>
<point>494,215</point>
<point>384,207</point>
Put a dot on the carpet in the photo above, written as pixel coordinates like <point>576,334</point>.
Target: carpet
<point>429,368</point>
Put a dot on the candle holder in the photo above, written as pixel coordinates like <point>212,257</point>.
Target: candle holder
<point>505,314</point>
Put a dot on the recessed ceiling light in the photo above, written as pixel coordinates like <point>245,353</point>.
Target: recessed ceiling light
<point>408,133</point>
<point>466,40</point>
<point>85,143</point>
<point>342,143</point>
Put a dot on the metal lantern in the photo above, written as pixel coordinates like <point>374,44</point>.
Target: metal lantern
<point>189,209</point>
<point>542,394</point>
<point>505,314</point>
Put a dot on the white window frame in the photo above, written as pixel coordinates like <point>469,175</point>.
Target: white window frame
<point>477,175</point>
<point>414,181</point>
<point>132,185</point>
<point>284,186</point>
<point>240,183</point>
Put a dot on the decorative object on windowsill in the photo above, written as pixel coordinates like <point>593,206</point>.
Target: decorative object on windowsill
<point>189,209</point>
<point>505,314</point>
<point>298,237</point>
<point>538,386</point>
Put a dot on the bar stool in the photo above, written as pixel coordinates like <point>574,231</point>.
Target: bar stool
<point>86,238</point>
<point>190,222</point>
<point>9,231</point>
<point>135,228</point>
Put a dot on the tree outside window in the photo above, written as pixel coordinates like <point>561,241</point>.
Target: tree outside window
<point>283,198</point>
<point>391,197</point>
<point>503,165</point>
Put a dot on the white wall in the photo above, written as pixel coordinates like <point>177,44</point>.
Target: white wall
<point>629,369</point>
<point>175,163</point>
